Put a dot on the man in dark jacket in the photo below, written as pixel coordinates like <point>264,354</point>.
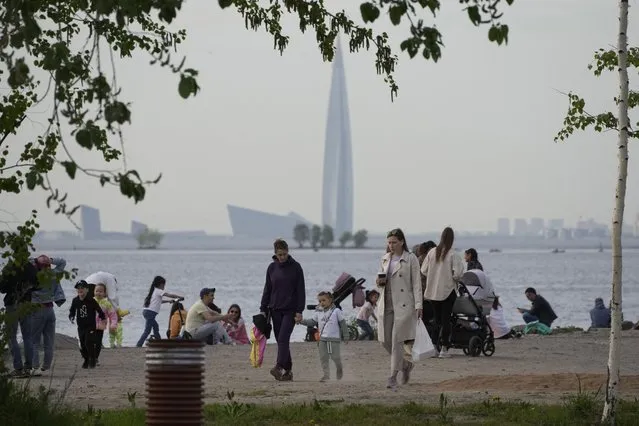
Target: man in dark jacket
<point>17,282</point>
<point>541,310</point>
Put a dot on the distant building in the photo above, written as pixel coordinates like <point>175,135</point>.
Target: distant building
<point>521,228</point>
<point>257,224</point>
<point>137,228</point>
<point>90,223</point>
<point>503,227</point>
<point>337,189</point>
<point>536,227</point>
<point>556,224</point>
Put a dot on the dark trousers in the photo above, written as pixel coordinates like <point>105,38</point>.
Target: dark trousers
<point>368,333</point>
<point>283,324</point>
<point>428,317</point>
<point>87,338</point>
<point>443,310</point>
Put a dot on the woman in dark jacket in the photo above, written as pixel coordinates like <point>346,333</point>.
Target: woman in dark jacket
<point>283,298</point>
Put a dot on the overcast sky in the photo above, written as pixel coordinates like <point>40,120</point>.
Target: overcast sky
<point>469,139</point>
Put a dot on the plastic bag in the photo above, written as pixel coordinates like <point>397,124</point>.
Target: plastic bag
<point>422,347</point>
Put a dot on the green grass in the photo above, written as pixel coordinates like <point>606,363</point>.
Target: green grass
<point>18,406</point>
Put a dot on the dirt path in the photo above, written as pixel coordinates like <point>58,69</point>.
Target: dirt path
<point>533,368</point>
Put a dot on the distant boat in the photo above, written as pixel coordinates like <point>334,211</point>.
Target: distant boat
<point>494,250</point>
<point>558,251</point>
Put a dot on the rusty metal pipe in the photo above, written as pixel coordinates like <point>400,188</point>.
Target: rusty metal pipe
<point>175,382</point>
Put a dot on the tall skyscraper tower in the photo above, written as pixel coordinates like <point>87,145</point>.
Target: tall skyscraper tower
<point>337,190</point>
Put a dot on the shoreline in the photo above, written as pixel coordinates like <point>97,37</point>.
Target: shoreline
<point>539,369</point>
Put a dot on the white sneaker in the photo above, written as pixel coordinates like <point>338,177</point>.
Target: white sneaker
<point>36,372</point>
<point>444,354</point>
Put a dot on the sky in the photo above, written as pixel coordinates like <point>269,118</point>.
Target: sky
<point>469,139</point>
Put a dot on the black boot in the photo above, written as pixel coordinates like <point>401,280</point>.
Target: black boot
<point>85,364</point>
<point>92,363</point>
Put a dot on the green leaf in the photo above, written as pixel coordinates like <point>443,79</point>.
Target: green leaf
<point>474,15</point>
<point>369,12</point>
<point>396,12</point>
<point>225,3</point>
<point>71,167</point>
<point>83,138</point>
<point>32,179</point>
<point>188,86</point>
<point>493,33</point>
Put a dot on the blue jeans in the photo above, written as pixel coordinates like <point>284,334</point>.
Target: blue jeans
<point>368,333</point>
<point>528,317</point>
<point>43,329</point>
<point>151,324</point>
<point>24,321</point>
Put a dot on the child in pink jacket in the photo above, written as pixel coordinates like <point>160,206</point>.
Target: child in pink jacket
<point>111,317</point>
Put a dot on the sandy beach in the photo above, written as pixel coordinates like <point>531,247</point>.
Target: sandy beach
<point>534,368</point>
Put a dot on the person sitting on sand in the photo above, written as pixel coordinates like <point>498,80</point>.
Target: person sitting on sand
<point>177,319</point>
<point>600,315</point>
<point>235,326</point>
<point>498,323</point>
<point>202,322</point>
<point>364,314</point>
<point>541,310</point>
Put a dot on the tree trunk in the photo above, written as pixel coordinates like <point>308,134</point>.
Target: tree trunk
<point>614,353</point>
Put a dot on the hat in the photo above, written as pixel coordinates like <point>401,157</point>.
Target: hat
<point>206,291</point>
<point>81,284</point>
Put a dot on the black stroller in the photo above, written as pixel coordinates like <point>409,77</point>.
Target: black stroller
<point>471,331</point>
<point>344,286</point>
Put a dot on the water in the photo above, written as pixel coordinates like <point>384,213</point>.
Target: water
<point>570,281</point>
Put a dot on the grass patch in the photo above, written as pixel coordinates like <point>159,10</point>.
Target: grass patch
<point>579,409</point>
<point>21,406</point>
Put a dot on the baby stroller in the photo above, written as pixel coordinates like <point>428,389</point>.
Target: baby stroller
<point>471,331</point>
<point>345,285</point>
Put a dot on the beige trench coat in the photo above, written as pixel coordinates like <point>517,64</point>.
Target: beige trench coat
<point>406,289</point>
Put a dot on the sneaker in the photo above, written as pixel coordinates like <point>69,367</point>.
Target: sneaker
<point>406,372</point>
<point>340,374</point>
<point>85,364</point>
<point>435,354</point>
<point>392,383</point>
<point>277,373</point>
<point>324,378</point>
<point>19,374</point>
<point>287,376</point>
<point>444,354</point>
<point>36,372</point>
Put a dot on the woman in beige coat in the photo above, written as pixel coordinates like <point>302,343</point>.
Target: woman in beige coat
<point>400,303</point>
<point>443,268</point>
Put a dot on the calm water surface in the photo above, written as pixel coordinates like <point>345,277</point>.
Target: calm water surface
<point>570,281</point>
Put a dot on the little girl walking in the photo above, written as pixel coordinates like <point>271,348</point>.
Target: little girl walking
<point>330,322</point>
<point>365,312</point>
<point>152,304</point>
<point>105,304</point>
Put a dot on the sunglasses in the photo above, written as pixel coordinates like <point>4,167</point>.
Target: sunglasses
<point>394,233</point>
<point>234,312</point>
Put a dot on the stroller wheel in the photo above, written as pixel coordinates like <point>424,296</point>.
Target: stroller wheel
<point>489,348</point>
<point>474,346</point>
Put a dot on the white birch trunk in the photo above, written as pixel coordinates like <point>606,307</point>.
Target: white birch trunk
<point>614,353</point>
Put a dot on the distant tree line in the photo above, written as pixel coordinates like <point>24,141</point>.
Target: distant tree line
<point>323,237</point>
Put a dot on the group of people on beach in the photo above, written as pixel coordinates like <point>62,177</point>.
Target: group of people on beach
<point>418,284</point>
